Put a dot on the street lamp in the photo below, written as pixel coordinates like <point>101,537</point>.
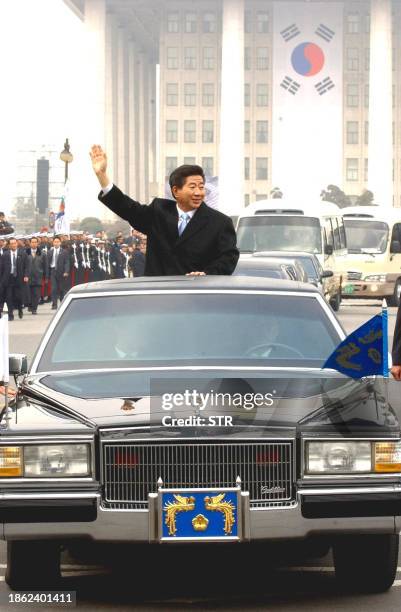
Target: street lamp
<point>67,157</point>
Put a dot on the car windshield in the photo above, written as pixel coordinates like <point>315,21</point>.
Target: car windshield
<point>363,235</point>
<point>308,266</point>
<point>182,329</point>
<point>263,271</point>
<point>279,233</point>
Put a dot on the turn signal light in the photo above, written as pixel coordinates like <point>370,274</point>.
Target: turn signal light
<point>388,456</point>
<point>10,461</point>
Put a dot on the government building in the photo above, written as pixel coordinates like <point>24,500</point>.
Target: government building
<point>263,94</point>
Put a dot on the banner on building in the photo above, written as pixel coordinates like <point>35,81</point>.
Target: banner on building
<point>307,130</point>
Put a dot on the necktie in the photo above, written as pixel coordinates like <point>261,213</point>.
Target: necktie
<point>14,265</point>
<point>183,222</point>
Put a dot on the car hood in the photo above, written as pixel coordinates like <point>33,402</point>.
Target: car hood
<point>253,397</point>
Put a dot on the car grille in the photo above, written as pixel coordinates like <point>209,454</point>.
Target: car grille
<point>354,276</point>
<point>131,470</point>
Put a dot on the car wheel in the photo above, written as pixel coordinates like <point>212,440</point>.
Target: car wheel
<point>395,299</point>
<point>366,563</point>
<point>32,564</point>
<point>335,302</point>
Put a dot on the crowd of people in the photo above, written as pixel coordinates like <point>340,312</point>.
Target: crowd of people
<point>42,267</point>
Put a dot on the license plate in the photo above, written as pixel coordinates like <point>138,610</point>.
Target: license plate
<point>200,514</point>
<point>348,289</point>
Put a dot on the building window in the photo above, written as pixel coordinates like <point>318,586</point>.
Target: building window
<point>393,96</point>
<point>262,22</point>
<point>246,199</point>
<point>262,58</point>
<point>208,94</point>
<point>352,58</point>
<point>247,131</point>
<point>365,169</point>
<point>189,94</point>
<point>247,58</point>
<point>366,96</point>
<point>171,130</point>
<point>189,58</point>
<point>262,131</point>
<point>352,168</point>
<point>366,136</point>
<point>247,22</point>
<point>246,168</point>
<point>173,21</point>
<point>262,94</point>
<point>171,164</point>
<point>261,196</point>
<point>208,58</point>
<point>172,94</point>
<point>189,130</point>
<point>190,23</point>
<point>261,168</point>
<point>393,132</point>
<point>207,165</point>
<point>247,94</point>
<point>353,23</point>
<point>367,58</point>
<point>367,24</point>
<point>393,58</point>
<point>190,161</point>
<point>172,58</point>
<point>352,132</point>
<point>207,131</point>
<point>209,23</point>
<point>352,95</point>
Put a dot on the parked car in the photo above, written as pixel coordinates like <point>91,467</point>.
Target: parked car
<point>257,264</point>
<point>190,410</point>
<point>323,279</point>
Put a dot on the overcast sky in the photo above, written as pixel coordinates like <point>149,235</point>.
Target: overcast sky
<point>42,50</point>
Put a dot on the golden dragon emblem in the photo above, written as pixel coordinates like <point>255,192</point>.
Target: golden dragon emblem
<point>182,504</point>
<point>217,504</point>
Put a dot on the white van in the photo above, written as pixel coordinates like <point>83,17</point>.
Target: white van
<point>374,253</point>
<point>285,225</point>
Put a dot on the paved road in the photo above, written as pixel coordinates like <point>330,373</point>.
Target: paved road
<point>198,579</point>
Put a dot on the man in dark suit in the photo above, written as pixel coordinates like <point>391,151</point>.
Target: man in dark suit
<point>396,353</point>
<point>14,276</point>
<point>185,236</point>
<point>36,272</point>
<point>58,270</point>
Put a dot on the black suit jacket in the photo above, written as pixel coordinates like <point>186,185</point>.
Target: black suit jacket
<point>36,267</point>
<point>63,262</point>
<point>22,266</point>
<point>396,353</point>
<point>208,243</point>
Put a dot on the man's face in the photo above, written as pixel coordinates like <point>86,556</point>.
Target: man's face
<point>56,243</point>
<point>190,195</point>
<point>13,244</point>
<point>34,243</point>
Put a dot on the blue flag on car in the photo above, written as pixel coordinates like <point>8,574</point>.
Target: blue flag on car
<point>365,351</point>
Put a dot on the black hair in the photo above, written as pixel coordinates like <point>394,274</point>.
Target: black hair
<point>178,176</point>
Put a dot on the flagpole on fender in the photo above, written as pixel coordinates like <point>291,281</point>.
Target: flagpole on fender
<point>5,355</point>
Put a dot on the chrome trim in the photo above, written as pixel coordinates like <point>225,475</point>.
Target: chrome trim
<point>69,297</point>
<point>349,490</point>
<point>349,475</point>
<point>16,496</point>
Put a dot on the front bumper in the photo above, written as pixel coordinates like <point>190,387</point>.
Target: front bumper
<point>366,289</point>
<point>315,512</point>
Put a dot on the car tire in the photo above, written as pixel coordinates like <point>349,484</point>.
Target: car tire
<point>395,299</point>
<point>366,563</point>
<point>32,564</point>
<point>336,301</point>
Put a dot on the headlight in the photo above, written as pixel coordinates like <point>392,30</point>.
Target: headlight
<point>10,461</point>
<point>57,460</point>
<point>349,457</point>
<point>338,457</point>
<point>376,278</point>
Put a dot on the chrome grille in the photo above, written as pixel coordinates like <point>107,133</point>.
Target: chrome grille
<point>131,470</point>
<point>354,276</point>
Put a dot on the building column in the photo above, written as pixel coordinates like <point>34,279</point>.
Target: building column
<point>231,144</point>
<point>380,165</point>
<point>121,109</point>
<point>133,121</point>
<point>143,134</point>
<point>153,187</point>
<point>111,97</point>
<point>95,24</point>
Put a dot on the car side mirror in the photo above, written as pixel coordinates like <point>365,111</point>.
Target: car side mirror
<point>328,249</point>
<point>395,246</point>
<point>18,364</point>
<point>327,273</point>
